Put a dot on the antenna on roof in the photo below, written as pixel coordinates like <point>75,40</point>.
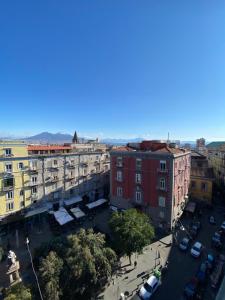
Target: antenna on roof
<point>168,138</point>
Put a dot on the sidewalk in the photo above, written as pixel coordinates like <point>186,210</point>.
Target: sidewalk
<point>130,279</point>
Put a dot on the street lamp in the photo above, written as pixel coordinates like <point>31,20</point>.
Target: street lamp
<point>31,260</point>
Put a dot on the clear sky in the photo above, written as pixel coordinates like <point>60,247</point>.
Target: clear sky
<point>113,68</point>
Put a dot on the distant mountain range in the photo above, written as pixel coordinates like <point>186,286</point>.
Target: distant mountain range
<point>61,138</point>
<point>49,138</point>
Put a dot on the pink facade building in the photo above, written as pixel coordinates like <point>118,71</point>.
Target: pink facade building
<point>152,176</point>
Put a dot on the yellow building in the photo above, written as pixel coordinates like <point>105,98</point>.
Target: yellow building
<point>201,178</point>
<point>13,178</point>
<point>216,156</point>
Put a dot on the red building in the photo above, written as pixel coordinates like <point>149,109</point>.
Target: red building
<point>152,176</point>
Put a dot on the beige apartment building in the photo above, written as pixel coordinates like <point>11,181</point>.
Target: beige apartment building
<point>43,175</point>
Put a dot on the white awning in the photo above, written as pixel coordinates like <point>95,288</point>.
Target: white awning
<point>62,216</point>
<point>77,212</point>
<point>96,203</point>
<point>73,200</point>
<point>36,211</point>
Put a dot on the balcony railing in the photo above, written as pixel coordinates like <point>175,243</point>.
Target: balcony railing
<point>34,196</point>
<point>7,188</point>
<point>160,188</point>
<point>53,169</point>
<point>119,165</point>
<point>159,170</point>
<point>70,166</point>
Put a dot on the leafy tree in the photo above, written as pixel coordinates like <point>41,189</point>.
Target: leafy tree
<point>50,270</point>
<point>18,292</point>
<point>1,253</point>
<point>89,264</point>
<point>132,231</point>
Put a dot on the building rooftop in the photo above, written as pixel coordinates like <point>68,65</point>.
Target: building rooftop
<point>47,147</point>
<point>153,146</point>
<point>197,155</point>
<point>215,144</point>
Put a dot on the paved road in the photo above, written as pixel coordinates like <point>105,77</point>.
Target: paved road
<point>182,266</point>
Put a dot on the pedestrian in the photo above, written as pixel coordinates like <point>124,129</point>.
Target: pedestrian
<point>135,264</point>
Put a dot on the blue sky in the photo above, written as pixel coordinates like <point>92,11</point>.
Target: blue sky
<point>113,68</point>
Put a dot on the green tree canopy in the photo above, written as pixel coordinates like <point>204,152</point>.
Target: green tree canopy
<point>89,264</point>
<point>18,292</point>
<point>132,231</point>
<point>50,270</point>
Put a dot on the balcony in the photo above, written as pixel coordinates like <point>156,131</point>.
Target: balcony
<point>7,188</point>
<point>84,165</point>
<point>119,164</point>
<point>34,197</point>
<point>159,188</point>
<point>70,166</point>
<point>53,169</point>
<point>50,179</point>
<point>159,170</point>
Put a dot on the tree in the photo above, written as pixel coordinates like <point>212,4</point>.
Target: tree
<point>89,264</point>
<point>132,231</point>
<point>50,270</point>
<point>18,292</point>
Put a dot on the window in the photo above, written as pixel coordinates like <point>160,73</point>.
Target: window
<point>162,184</point>
<point>138,164</point>
<point>9,206</point>
<point>21,192</point>
<point>161,214</point>
<point>8,167</point>
<point>138,178</point>
<point>204,187</point>
<point>33,164</point>
<point>55,162</point>
<point>8,152</point>
<point>119,191</point>
<point>162,201</point>
<point>162,165</point>
<point>22,204</point>
<point>119,161</point>
<point>20,166</point>
<point>193,184</point>
<point>119,176</point>
<point>9,195</point>
<point>34,179</point>
<point>8,182</point>
<point>34,190</point>
<point>138,197</point>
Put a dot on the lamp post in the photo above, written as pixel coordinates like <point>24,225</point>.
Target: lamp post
<point>184,229</point>
<point>31,260</point>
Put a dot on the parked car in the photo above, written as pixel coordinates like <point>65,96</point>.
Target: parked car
<point>210,261</point>
<point>191,288</point>
<point>184,244</point>
<point>216,237</point>
<point>212,220</point>
<point>202,272</point>
<point>196,249</point>
<point>195,229</point>
<point>223,225</point>
<point>148,289</point>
